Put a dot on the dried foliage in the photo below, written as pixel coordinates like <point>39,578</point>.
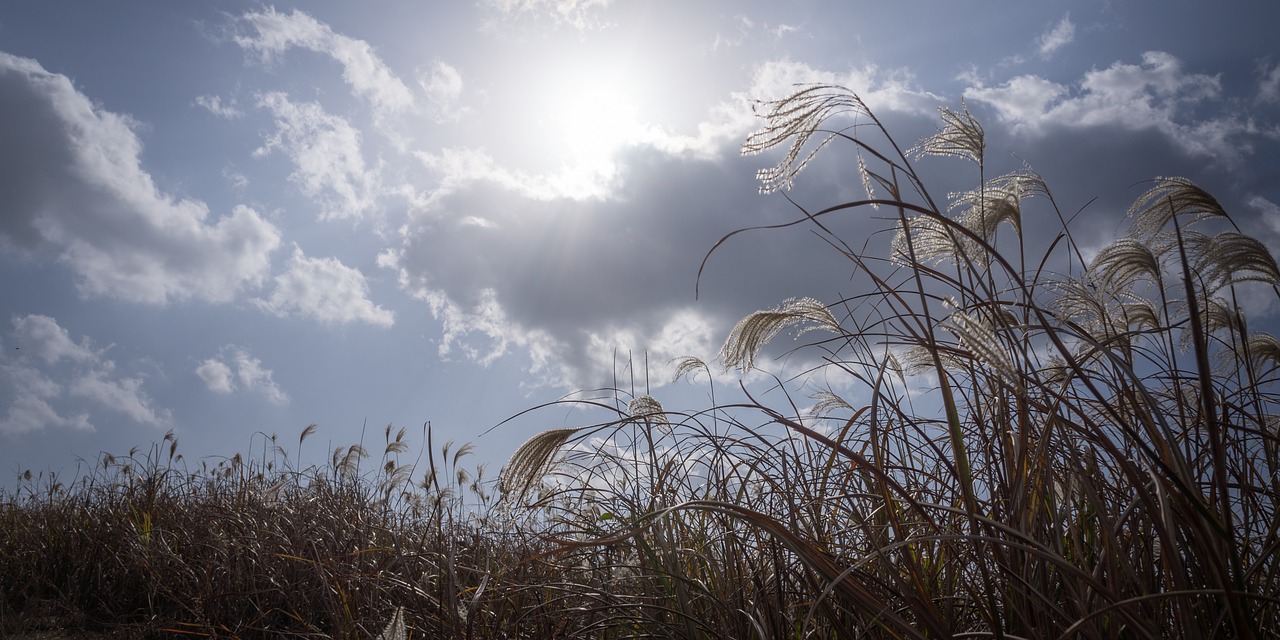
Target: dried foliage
<point>1076,449</point>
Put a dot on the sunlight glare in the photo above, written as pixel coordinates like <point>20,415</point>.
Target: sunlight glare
<point>596,113</point>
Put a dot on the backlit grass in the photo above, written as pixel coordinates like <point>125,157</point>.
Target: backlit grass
<point>1018,440</point>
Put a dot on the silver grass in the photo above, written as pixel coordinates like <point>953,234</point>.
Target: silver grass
<point>310,429</point>
<point>998,201</point>
<point>648,410</point>
<point>350,463</point>
<point>984,215</point>
<point>1231,257</point>
<point>644,407</point>
<point>1092,307</point>
<point>798,117</point>
<point>1055,372</point>
<point>758,329</point>
<point>395,629</point>
<point>1141,315</point>
<point>980,335</point>
<point>1264,348</point>
<point>688,366</point>
<point>826,400</point>
<point>961,136</point>
<point>982,211</point>
<point>1220,314</point>
<point>931,240</point>
<point>466,449</point>
<point>1171,197</point>
<point>533,460</point>
<point>917,359</point>
<point>1121,263</point>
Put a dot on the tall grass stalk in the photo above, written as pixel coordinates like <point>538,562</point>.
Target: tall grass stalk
<point>1025,443</point>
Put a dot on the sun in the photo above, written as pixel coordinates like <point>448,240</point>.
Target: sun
<point>585,107</point>
<point>596,118</point>
<point>595,107</point>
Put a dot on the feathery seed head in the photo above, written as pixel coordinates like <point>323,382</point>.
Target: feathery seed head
<point>826,400</point>
<point>758,329</point>
<point>798,117</point>
<point>961,137</point>
<point>1171,197</point>
<point>1231,257</point>
<point>533,460</point>
<point>979,333</point>
<point>689,365</point>
<point>1121,263</point>
<point>1264,348</point>
<point>648,410</point>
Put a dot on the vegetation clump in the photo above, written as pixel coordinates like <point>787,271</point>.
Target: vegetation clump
<point>1018,440</point>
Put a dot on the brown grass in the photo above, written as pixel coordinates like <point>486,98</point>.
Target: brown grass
<point>1022,444</point>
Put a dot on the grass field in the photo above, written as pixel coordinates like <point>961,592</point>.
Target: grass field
<point>1026,442</point>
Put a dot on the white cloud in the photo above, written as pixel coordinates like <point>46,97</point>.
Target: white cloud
<point>362,69</point>
<point>324,289</point>
<point>124,395</point>
<point>457,168</point>
<point>881,90</point>
<point>216,375</point>
<point>1268,82</point>
<point>325,149</point>
<point>1061,35</point>
<point>32,408</point>
<point>482,331</point>
<point>235,369</point>
<point>443,87</point>
<point>73,182</point>
<point>1156,94</point>
<point>42,336</point>
<point>685,332</point>
<point>744,30</point>
<point>215,105</point>
<point>44,351</point>
<point>580,14</point>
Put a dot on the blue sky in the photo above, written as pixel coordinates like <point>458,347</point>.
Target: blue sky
<point>235,218</point>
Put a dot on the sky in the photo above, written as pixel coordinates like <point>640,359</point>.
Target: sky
<point>233,219</point>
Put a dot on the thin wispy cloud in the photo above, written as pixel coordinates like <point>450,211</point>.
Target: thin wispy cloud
<point>442,84</point>
<point>325,150</point>
<point>580,14</point>
<point>236,369</point>
<point>1060,35</point>
<point>1269,81</point>
<point>215,105</point>
<point>271,33</point>
<point>58,382</point>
